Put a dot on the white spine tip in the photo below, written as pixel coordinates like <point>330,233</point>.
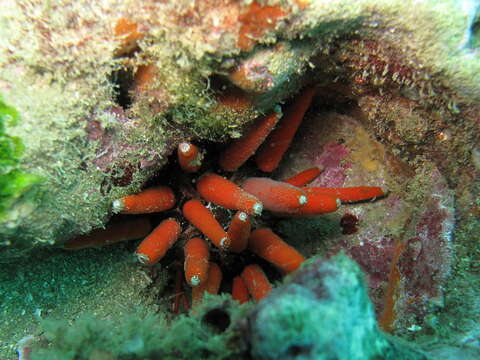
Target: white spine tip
<point>117,205</point>
<point>243,216</point>
<point>339,202</point>
<point>257,209</point>
<point>302,200</point>
<point>195,280</point>
<point>184,147</point>
<point>142,258</point>
<point>225,243</point>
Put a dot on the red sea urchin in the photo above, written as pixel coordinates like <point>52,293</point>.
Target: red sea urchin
<point>281,198</point>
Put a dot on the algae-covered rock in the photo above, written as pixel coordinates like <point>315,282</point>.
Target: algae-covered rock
<point>322,312</point>
<point>62,286</point>
<point>209,333</point>
<point>106,89</point>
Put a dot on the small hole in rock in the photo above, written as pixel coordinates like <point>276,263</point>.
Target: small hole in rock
<point>217,319</point>
<point>122,81</point>
<point>297,350</point>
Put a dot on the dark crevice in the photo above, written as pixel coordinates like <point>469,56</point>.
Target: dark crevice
<point>122,81</point>
<point>217,319</point>
<point>299,351</point>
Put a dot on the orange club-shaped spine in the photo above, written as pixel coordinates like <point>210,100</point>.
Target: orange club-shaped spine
<point>223,192</point>
<point>349,194</point>
<point>242,149</point>
<point>271,152</point>
<point>189,157</point>
<point>276,196</point>
<point>151,200</point>
<point>268,245</point>
<point>239,290</point>
<point>317,204</point>
<point>113,233</point>
<point>196,261</point>
<point>303,178</point>
<point>212,285</point>
<point>256,282</point>
<point>144,78</point>
<point>202,218</point>
<point>239,231</point>
<point>155,245</point>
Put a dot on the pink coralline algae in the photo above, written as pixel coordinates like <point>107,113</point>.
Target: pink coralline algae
<point>403,243</point>
<point>332,160</point>
<point>112,150</point>
<point>375,259</point>
<point>426,260</point>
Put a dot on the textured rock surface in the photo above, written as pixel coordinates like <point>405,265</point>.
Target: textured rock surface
<point>403,242</point>
<point>101,110</point>
<point>322,312</point>
<point>70,67</point>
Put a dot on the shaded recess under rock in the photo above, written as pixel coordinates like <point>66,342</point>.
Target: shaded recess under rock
<point>397,106</point>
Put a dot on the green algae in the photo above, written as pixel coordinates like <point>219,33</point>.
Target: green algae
<point>56,284</point>
<point>143,335</point>
<point>13,181</point>
<point>91,337</point>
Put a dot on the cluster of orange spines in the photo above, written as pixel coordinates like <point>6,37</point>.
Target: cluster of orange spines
<point>289,197</point>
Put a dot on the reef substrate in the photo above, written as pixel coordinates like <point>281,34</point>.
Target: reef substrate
<point>106,91</point>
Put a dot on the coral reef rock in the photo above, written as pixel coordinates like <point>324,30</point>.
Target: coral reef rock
<point>322,312</point>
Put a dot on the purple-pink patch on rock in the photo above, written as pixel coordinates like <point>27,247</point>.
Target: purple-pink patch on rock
<point>426,261</point>
<point>332,161</point>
